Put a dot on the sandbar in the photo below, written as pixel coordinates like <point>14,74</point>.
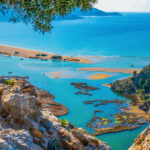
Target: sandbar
<point>119,70</point>
<point>99,76</point>
<point>107,85</point>
<point>27,53</point>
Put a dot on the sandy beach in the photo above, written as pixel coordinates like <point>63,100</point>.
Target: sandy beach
<point>26,53</point>
<point>99,76</point>
<point>120,70</point>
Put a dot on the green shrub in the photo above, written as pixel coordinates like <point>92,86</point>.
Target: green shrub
<point>56,57</point>
<point>63,122</point>
<point>52,145</point>
<point>38,55</point>
<point>44,55</point>
<point>134,73</point>
<point>10,81</point>
<point>16,53</point>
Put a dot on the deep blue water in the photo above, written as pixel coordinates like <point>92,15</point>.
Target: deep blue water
<point>125,39</point>
<point>127,35</point>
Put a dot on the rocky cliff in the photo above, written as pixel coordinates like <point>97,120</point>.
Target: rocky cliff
<point>142,142</point>
<point>27,121</point>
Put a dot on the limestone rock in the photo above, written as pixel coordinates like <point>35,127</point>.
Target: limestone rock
<point>25,124</point>
<point>19,140</point>
<point>76,139</point>
<point>142,142</point>
<point>89,141</point>
<point>19,104</point>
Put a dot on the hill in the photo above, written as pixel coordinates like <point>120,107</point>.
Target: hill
<point>94,12</point>
<point>79,14</point>
<point>137,87</point>
<point>138,84</point>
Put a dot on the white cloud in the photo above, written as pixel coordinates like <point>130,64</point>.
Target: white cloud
<point>124,5</point>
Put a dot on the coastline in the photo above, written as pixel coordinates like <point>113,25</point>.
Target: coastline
<point>56,106</point>
<point>35,54</point>
<point>119,70</point>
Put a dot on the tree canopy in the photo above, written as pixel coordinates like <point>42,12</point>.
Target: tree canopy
<point>40,13</point>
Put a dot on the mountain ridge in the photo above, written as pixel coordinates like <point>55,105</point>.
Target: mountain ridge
<point>79,14</point>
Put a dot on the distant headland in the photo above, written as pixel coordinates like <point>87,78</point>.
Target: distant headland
<point>79,14</point>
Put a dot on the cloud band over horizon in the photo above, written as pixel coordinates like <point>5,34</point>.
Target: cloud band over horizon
<point>124,5</point>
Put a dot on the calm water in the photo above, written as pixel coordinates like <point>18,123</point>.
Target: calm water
<point>125,39</point>
<point>127,35</point>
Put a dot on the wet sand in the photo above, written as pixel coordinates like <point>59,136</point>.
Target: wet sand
<point>107,85</point>
<point>120,70</point>
<point>56,74</point>
<point>99,76</point>
<point>26,53</point>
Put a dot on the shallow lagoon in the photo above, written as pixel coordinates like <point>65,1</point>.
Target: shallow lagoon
<point>79,113</point>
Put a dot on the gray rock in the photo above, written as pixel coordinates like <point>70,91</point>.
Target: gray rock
<point>142,142</point>
<point>18,140</point>
<point>20,104</point>
<point>25,125</point>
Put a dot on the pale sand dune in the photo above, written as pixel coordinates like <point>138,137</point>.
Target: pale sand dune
<point>128,70</point>
<point>99,76</point>
<point>26,53</point>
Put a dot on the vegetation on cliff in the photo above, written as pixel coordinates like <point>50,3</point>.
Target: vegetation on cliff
<point>138,85</point>
<point>137,88</point>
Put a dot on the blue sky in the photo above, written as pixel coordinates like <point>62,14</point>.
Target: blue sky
<point>124,5</point>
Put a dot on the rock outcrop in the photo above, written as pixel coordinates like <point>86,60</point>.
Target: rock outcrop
<point>27,124</point>
<point>137,85</point>
<point>142,142</point>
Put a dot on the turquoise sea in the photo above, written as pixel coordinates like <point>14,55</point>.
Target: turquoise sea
<point>123,40</point>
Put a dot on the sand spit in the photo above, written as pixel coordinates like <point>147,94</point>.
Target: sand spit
<point>99,76</point>
<point>120,70</point>
<point>107,85</point>
<point>26,53</point>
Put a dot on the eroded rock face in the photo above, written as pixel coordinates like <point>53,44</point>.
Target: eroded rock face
<point>142,142</point>
<point>17,139</point>
<point>20,105</point>
<point>25,124</point>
